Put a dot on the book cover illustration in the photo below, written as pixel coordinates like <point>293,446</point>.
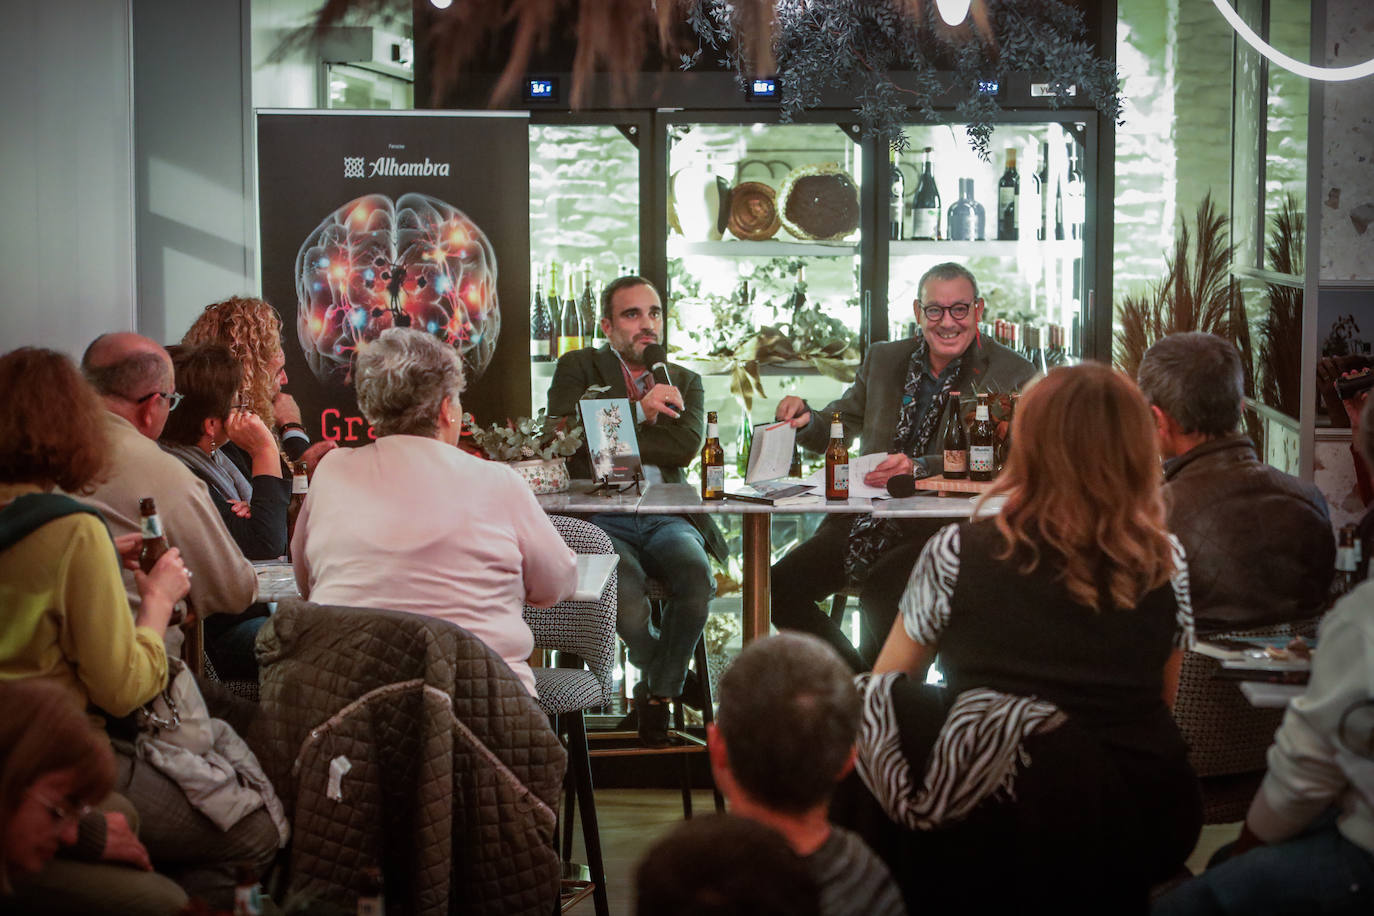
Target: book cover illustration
<point>611,442</point>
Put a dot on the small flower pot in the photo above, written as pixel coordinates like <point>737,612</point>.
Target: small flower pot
<point>544,475</point>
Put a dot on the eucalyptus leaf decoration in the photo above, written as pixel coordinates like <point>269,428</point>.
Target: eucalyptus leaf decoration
<point>527,438</point>
<point>810,45</point>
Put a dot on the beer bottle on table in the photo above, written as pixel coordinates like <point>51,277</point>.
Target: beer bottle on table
<point>982,443</point>
<point>955,441</point>
<point>836,462</point>
<point>712,462</point>
<point>300,487</point>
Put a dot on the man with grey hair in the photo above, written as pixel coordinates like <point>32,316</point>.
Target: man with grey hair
<point>895,405</point>
<point>134,378</point>
<point>784,736</point>
<point>1259,542</point>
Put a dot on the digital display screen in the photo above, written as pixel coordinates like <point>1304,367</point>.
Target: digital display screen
<point>541,90</point>
<point>762,89</point>
<point>988,87</point>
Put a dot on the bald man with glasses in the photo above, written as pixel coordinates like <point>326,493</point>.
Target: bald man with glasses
<point>894,405</point>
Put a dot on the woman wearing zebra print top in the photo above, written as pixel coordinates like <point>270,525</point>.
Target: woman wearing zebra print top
<point>1059,624</point>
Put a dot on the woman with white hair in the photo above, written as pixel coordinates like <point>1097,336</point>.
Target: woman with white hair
<point>413,523</point>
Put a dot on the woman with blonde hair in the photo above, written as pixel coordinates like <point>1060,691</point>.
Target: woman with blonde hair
<point>1059,623</point>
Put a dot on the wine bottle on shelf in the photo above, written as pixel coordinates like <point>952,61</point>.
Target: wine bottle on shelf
<point>571,303</point>
<point>712,461</point>
<point>1042,182</point>
<point>541,330</point>
<point>926,209</point>
<point>1075,197</point>
<point>1008,199</point>
<point>836,461</point>
<point>966,216</point>
<point>982,443</point>
<point>955,441</point>
<point>896,198</point>
<point>555,306</point>
<point>586,308</point>
<point>570,333</point>
<point>1035,349</point>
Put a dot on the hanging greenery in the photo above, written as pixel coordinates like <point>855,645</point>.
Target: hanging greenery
<point>811,46</point>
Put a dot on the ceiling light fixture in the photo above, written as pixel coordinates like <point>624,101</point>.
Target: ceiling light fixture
<point>441,4</point>
<point>953,12</point>
<point>1329,74</point>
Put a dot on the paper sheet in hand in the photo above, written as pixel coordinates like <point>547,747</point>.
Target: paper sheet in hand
<point>858,467</point>
<point>609,425</point>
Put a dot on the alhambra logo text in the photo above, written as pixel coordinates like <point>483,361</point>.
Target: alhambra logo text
<point>388,167</point>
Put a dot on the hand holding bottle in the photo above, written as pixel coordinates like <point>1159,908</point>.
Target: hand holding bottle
<point>161,589</point>
<point>794,410</point>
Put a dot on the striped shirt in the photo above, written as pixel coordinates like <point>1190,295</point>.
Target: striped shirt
<point>852,879</point>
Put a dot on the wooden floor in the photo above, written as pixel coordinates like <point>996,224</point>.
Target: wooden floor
<point>631,819</point>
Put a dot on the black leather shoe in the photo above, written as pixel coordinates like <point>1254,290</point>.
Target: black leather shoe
<point>653,718</point>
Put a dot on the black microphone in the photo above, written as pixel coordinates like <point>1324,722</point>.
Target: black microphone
<point>902,485</point>
<point>656,358</point>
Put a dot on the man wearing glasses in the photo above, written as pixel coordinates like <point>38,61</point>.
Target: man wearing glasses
<point>895,405</point>
<point>134,377</point>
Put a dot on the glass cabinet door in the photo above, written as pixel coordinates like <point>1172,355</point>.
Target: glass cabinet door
<point>1019,223</point>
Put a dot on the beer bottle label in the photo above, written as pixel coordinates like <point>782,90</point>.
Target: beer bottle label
<point>980,458</point>
<point>715,478</point>
<point>300,485</point>
<point>152,527</point>
<point>956,460</point>
<point>841,477</point>
<point>1346,559</point>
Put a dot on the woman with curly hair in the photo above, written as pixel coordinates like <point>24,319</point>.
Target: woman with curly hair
<point>1060,624</point>
<point>251,329</point>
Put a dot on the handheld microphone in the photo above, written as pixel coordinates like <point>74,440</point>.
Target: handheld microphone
<point>656,358</point>
<point>902,485</point>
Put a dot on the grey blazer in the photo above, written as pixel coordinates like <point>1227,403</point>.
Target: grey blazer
<point>870,407</point>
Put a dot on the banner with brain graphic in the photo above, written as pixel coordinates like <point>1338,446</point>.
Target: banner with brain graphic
<point>373,221</point>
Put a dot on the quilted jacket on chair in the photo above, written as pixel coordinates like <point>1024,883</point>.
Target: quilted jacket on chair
<point>401,741</point>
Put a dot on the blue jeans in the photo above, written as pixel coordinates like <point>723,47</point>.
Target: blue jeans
<point>667,548</point>
<point>1318,871</point>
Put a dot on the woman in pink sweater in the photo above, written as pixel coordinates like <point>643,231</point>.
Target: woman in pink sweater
<point>413,523</point>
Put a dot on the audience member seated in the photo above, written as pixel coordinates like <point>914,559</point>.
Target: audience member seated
<point>1259,541</point>
<point>1049,776</point>
<point>783,737</point>
<point>413,523</point>
<point>134,377</point>
<point>55,807</point>
<point>68,613</point>
<point>723,865</point>
<point>1307,845</point>
<point>251,329</point>
<point>234,452</point>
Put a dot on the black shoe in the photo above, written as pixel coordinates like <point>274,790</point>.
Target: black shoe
<point>692,694</point>
<point>653,718</point>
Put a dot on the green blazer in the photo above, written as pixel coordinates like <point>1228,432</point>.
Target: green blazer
<point>670,443</point>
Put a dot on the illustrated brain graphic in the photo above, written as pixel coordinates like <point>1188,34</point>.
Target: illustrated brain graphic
<point>373,264</point>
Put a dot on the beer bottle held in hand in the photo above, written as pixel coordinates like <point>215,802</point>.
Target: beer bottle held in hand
<point>982,443</point>
<point>154,546</point>
<point>836,462</point>
<point>712,462</point>
<point>300,487</point>
<point>955,442</point>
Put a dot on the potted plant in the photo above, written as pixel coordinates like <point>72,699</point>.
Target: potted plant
<point>537,454</point>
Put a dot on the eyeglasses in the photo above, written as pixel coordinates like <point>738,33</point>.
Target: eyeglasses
<point>173,398</point>
<point>60,813</point>
<point>958,311</point>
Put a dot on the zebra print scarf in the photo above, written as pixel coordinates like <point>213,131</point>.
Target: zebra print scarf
<point>975,756</point>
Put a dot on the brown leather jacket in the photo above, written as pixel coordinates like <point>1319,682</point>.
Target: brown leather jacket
<point>1259,541</point>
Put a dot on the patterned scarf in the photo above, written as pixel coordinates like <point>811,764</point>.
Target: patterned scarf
<point>871,537</point>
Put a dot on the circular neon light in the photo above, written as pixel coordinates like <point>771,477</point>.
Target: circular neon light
<point>1329,74</point>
